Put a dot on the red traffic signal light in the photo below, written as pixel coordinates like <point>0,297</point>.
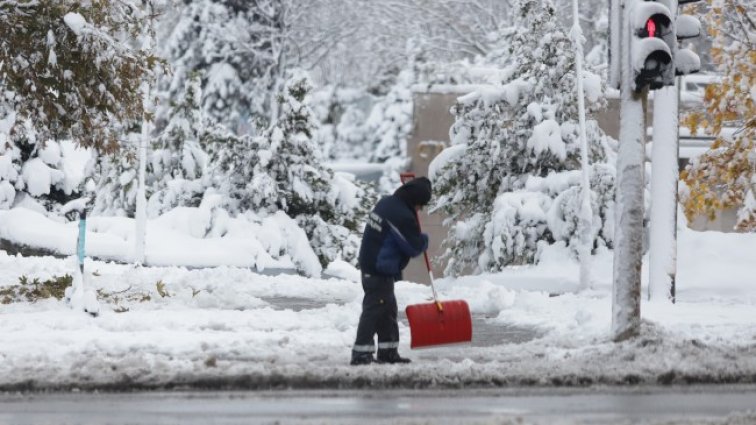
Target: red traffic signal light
<point>651,28</point>
<point>651,45</point>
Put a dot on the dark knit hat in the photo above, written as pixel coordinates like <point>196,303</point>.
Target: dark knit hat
<point>415,192</point>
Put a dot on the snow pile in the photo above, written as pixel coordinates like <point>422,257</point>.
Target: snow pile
<point>80,297</point>
<point>189,237</point>
<point>50,177</point>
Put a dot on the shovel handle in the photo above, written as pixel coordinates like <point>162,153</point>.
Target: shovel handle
<point>405,177</point>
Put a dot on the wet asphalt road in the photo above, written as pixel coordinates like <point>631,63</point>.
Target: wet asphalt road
<point>678,406</point>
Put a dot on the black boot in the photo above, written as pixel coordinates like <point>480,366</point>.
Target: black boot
<point>360,358</point>
<point>391,355</point>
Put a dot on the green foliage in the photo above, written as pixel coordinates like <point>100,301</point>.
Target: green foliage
<point>34,290</point>
<point>68,84</point>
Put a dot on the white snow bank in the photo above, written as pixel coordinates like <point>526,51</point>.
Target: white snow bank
<point>179,238</point>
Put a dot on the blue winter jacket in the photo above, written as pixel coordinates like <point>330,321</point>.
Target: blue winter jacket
<point>392,236</point>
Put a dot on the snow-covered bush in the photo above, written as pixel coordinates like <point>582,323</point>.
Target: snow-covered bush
<point>511,179</point>
<point>517,223</point>
<point>280,170</point>
<point>46,175</point>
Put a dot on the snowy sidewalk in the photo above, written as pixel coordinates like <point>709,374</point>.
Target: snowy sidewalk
<point>231,328</point>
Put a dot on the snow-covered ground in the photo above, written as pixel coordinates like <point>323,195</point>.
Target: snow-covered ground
<point>231,327</point>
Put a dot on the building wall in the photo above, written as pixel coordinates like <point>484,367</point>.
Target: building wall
<point>431,121</point>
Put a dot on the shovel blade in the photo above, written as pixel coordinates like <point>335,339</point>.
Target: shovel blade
<point>431,325</point>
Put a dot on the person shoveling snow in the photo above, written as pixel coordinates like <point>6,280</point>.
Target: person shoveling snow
<point>392,236</point>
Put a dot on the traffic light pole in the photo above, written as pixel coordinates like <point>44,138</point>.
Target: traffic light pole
<point>664,177</point>
<point>645,56</point>
<point>628,234</point>
<point>664,162</point>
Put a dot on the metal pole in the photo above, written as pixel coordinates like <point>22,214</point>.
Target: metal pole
<point>628,249</point>
<point>586,213</point>
<point>664,178</point>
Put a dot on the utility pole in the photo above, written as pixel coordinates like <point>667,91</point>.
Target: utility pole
<point>147,117</point>
<point>141,199</point>
<point>586,212</point>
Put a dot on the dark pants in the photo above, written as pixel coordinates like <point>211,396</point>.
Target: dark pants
<point>379,315</point>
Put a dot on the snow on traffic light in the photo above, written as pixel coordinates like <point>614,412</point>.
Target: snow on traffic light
<point>652,45</point>
<point>686,26</point>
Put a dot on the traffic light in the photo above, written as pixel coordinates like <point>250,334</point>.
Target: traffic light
<point>686,26</point>
<point>652,45</point>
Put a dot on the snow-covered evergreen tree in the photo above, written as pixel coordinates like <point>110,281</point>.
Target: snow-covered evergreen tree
<point>177,161</point>
<point>389,126</point>
<point>390,121</point>
<point>175,174</point>
<point>232,45</point>
<point>510,180</point>
<point>116,179</point>
<point>280,170</point>
<point>341,115</point>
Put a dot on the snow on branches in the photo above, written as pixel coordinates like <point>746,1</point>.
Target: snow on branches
<point>725,176</point>
<point>71,68</point>
<point>235,48</point>
<point>513,182</point>
<point>280,170</point>
<point>69,72</point>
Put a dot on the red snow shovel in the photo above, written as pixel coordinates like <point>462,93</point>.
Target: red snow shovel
<point>439,322</point>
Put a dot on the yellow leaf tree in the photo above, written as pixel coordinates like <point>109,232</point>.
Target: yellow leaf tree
<point>723,177</point>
